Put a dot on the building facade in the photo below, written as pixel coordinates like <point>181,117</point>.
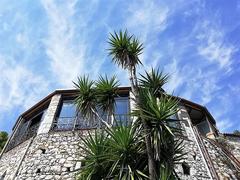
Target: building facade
<point>45,141</point>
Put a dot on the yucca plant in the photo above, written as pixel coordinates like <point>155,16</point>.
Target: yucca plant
<point>86,97</point>
<point>94,99</point>
<point>154,81</point>
<point>125,50</point>
<point>128,152</point>
<point>146,149</point>
<point>106,92</point>
<point>95,148</point>
<point>117,153</point>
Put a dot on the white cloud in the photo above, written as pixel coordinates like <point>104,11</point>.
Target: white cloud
<point>19,86</point>
<point>147,15</point>
<point>213,46</point>
<point>176,79</point>
<point>66,55</point>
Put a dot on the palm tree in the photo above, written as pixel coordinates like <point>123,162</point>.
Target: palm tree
<point>125,50</point>
<point>106,92</point>
<point>119,152</point>
<point>95,97</point>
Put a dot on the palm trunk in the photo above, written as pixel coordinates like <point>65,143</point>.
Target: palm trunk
<point>151,162</point>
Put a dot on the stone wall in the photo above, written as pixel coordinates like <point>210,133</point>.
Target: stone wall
<point>193,157</point>
<point>10,160</point>
<point>222,163</point>
<point>235,144</point>
<point>55,154</point>
<point>52,156</point>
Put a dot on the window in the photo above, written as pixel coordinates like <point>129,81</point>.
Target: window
<point>27,128</point>
<point>67,115</point>
<point>172,123</point>
<point>68,119</point>
<point>34,124</point>
<point>186,168</point>
<point>121,110</point>
<point>203,127</point>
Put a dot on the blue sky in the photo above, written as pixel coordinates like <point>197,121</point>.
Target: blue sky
<point>47,44</point>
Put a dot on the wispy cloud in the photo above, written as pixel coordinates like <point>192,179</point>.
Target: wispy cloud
<point>20,89</point>
<point>19,86</point>
<point>66,56</point>
<point>214,46</point>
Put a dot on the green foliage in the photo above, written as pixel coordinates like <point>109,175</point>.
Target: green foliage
<point>106,90</point>
<point>128,152</point>
<point>96,149</point>
<point>117,153</point>
<point>125,49</point>
<point>154,81</point>
<point>86,97</point>
<point>122,152</point>
<point>156,112</point>
<point>3,139</point>
<point>96,97</point>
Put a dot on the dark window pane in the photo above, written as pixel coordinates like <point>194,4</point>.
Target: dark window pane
<point>67,115</point>
<point>121,110</point>
<point>203,127</point>
<point>172,123</point>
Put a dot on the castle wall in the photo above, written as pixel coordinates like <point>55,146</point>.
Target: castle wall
<point>55,154</point>
<point>235,143</point>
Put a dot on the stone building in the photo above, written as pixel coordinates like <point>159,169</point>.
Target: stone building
<point>45,140</point>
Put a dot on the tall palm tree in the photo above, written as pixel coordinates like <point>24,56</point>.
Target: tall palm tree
<point>125,50</point>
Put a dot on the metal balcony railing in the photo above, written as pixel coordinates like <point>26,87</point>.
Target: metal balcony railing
<point>22,134</point>
<point>79,122</point>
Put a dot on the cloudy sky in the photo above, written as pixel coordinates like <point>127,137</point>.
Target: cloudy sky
<point>45,45</point>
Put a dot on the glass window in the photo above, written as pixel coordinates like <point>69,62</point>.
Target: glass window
<point>122,106</point>
<point>68,109</point>
<point>172,123</point>
<point>121,110</point>
<point>67,115</point>
<point>203,127</point>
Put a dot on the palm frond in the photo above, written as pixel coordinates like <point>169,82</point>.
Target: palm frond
<point>95,149</point>
<point>86,100</point>
<point>124,49</point>
<point>106,91</point>
<point>154,81</point>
